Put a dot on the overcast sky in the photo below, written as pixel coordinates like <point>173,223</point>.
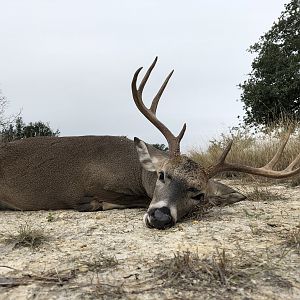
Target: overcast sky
<point>71,62</point>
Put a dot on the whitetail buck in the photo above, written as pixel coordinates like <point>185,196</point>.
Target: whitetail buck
<point>91,173</point>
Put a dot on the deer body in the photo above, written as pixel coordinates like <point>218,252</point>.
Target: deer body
<point>64,172</point>
<point>86,173</point>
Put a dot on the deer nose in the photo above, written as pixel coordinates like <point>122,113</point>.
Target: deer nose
<point>160,218</point>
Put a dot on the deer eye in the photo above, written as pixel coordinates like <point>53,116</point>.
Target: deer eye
<point>199,197</point>
<point>193,190</point>
<point>161,176</point>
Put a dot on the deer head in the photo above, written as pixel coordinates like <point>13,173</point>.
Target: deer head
<point>182,183</point>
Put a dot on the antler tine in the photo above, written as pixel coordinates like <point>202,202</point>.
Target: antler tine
<point>225,153</point>
<point>150,114</point>
<point>293,164</point>
<point>181,134</point>
<point>270,165</point>
<point>219,166</point>
<point>265,171</point>
<point>159,93</point>
<point>147,75</point>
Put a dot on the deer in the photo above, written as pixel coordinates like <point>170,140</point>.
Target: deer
<point>92,173</point>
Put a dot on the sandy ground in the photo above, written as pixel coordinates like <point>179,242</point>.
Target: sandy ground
<point>111,254</point>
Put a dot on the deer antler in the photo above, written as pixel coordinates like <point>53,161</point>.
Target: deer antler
<point>266,171</point>
<point>150,113</point>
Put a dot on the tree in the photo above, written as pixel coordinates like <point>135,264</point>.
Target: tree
<point>19,130</point>
<point>3,103</point>
<point>4,121</point>
<point>272,91</point>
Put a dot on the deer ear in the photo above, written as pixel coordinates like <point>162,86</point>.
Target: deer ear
<point>220,194</point>
<point>149,160</point>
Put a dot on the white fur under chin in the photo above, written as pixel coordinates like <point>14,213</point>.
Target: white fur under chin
<point>145,219</point>
<point>174,213</point>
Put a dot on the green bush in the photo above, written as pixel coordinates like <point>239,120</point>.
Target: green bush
<point>20,130</point>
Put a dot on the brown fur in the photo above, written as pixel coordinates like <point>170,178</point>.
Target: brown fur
<point>188,171</point>
<point>59,172</point>
<point>86,173</point>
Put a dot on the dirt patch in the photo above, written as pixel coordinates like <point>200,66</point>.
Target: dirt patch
<point>249,250</point>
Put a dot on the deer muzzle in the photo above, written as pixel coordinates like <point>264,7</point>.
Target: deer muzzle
<point>159,218</point>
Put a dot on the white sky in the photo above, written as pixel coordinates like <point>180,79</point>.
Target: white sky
<point>71,62</point>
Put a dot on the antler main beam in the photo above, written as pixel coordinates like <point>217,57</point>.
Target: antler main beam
<point>150,113</point>
<point>266,171</point>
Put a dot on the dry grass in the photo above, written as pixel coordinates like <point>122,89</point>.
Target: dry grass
<point>30,277</point>
<point>187,269</point>
<point>27,236</point>
<point>99,263</point>
<point>250,149</point>
<point>263,194</point>
<point>108,291</point>
<point>292,238</point>
<point>224,272</point>
<point>295,181</point>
